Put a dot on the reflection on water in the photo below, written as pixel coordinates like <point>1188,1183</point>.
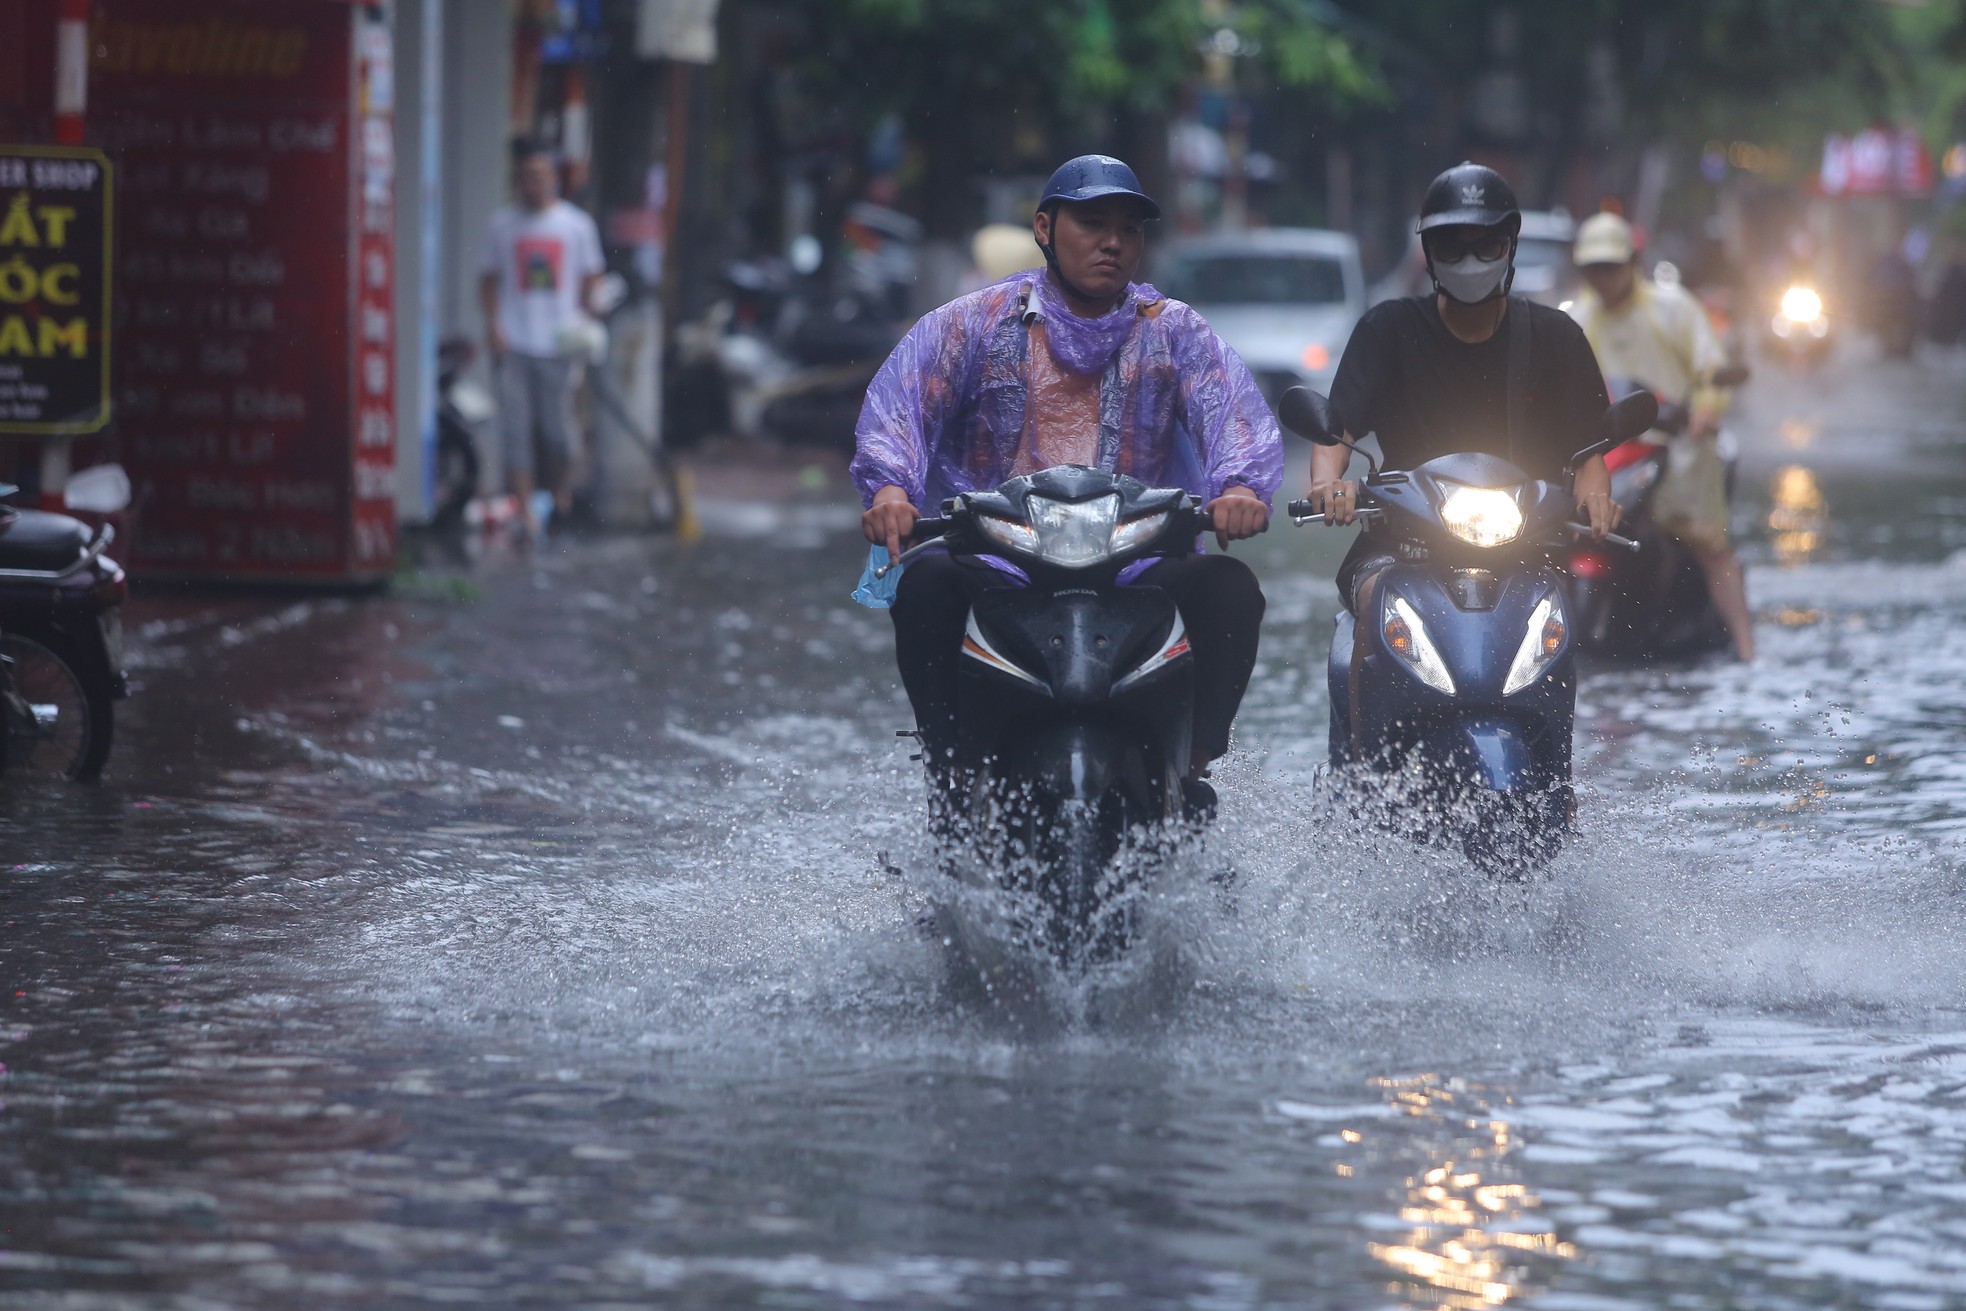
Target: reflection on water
<point>1798,516</point>
<point>1475,1234</point>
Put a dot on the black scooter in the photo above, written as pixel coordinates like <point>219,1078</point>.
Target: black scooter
<point>1465,679</point>
<point>1652,604</point>
<point>462,406</point>
<point>61,643</point>
<point>1076,702</point>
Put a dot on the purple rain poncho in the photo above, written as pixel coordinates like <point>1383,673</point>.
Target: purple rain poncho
<point>1174,407</point>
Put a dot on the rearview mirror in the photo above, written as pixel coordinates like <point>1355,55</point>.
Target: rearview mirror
<point>1627,419</point>
<point>1308,414</point>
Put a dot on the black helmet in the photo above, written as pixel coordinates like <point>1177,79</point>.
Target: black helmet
<point>1091,176</point>
<point>1469,195</point>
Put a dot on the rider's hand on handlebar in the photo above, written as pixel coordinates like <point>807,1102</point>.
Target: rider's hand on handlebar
<point>1336,500</point>
<point>889,520</point>
<point>1237,513</point>
<point>1603,513</point>
<point>1593,492</point>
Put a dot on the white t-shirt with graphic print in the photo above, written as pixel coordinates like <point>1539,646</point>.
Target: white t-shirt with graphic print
<point>541,259</point>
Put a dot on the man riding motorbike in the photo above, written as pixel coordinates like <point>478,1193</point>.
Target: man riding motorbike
<point>1659,335</point>
<point>1466,369</point>
<point>1074,363</point>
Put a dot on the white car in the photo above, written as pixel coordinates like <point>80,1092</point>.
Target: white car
<point>1285,299</point>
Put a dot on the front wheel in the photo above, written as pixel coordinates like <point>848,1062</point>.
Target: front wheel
<point>59,715</point>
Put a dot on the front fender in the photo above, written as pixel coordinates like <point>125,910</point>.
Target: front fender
<point>1073,762</point>
<point>1497,753</point>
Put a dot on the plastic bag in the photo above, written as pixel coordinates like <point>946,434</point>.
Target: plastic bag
<point>877,593</point>
<point>1691,502</point>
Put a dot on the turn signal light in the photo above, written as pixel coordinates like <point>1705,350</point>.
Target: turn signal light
<point>1399,637</point>
<point>1553,634</point>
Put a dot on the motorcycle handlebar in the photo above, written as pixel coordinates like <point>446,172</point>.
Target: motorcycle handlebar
<point>1609,539</point>
<point>1301,512</point>
<point>931,529</point>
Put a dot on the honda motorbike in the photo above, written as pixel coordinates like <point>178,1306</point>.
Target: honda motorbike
<point>1076,698</point>
<point>1652,604</point>
<point>61,643</point>
<point>1466,675</point>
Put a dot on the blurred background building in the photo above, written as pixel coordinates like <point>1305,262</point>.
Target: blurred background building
<point>783,184</point>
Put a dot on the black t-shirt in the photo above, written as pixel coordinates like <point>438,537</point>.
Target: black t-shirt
<point>1425,392</point>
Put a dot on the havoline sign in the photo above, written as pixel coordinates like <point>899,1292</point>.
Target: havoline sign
<point>55,225</point>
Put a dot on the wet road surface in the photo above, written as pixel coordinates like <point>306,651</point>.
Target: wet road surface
<point>524,938</point>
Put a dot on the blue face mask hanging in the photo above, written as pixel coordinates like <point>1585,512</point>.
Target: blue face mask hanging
<point>877,593</point>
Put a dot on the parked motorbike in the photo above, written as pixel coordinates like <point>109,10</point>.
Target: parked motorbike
<point>463,406</point>
<point>784,354</point>
<point>1652,604</point>
<point>1466,678</point>
<point>61,643</point>
<point>1076,702</point>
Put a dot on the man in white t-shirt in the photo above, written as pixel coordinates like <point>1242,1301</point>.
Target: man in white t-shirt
<point>542,259</point>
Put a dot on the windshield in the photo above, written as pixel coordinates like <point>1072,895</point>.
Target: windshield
<point>1249,278</point>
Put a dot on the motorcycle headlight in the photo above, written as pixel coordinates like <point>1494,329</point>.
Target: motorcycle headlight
<point>1138,532</point>
<point>1540,645</point>
<point>1072,534</point>
<point>1482,516</point>
<point>1008,532</point>
<point>1407,636</point>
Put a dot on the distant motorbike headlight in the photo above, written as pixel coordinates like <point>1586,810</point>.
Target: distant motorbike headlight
<point>1138,532</point>
<point>1482,516</point>
<point>1540,645</point>
<point>1801,305</point>
<point>1407,636</point>
<point>1072,534</point>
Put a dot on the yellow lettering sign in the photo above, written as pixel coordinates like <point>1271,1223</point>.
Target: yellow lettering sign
<point>14,339</point>
<point>54,222</point>
<point>17,229</point>
<point>213,48</point>
<point>75,336</point>
<point>52,289</point>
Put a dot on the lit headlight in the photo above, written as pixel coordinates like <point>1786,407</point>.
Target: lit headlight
<point>1008,532</point>
<point>1540,645</point>
<point>1138,532</point>
<point>1407,636</point>
<point>1073,534</point>
<point>1801,305</point>
<point>1482,516</point>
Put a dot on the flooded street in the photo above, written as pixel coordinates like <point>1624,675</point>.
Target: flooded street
<point>528,937</point>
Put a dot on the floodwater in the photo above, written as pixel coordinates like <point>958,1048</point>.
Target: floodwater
<point>530,937</point>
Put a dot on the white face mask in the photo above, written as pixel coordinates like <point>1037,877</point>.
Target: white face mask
<point>1472,280</point>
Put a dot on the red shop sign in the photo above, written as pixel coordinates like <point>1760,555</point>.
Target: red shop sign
<point>254,307</point>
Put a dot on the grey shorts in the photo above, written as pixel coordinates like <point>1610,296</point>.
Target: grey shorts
<point>535,409</point>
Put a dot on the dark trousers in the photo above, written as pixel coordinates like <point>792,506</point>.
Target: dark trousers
<point>1218,597</point>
